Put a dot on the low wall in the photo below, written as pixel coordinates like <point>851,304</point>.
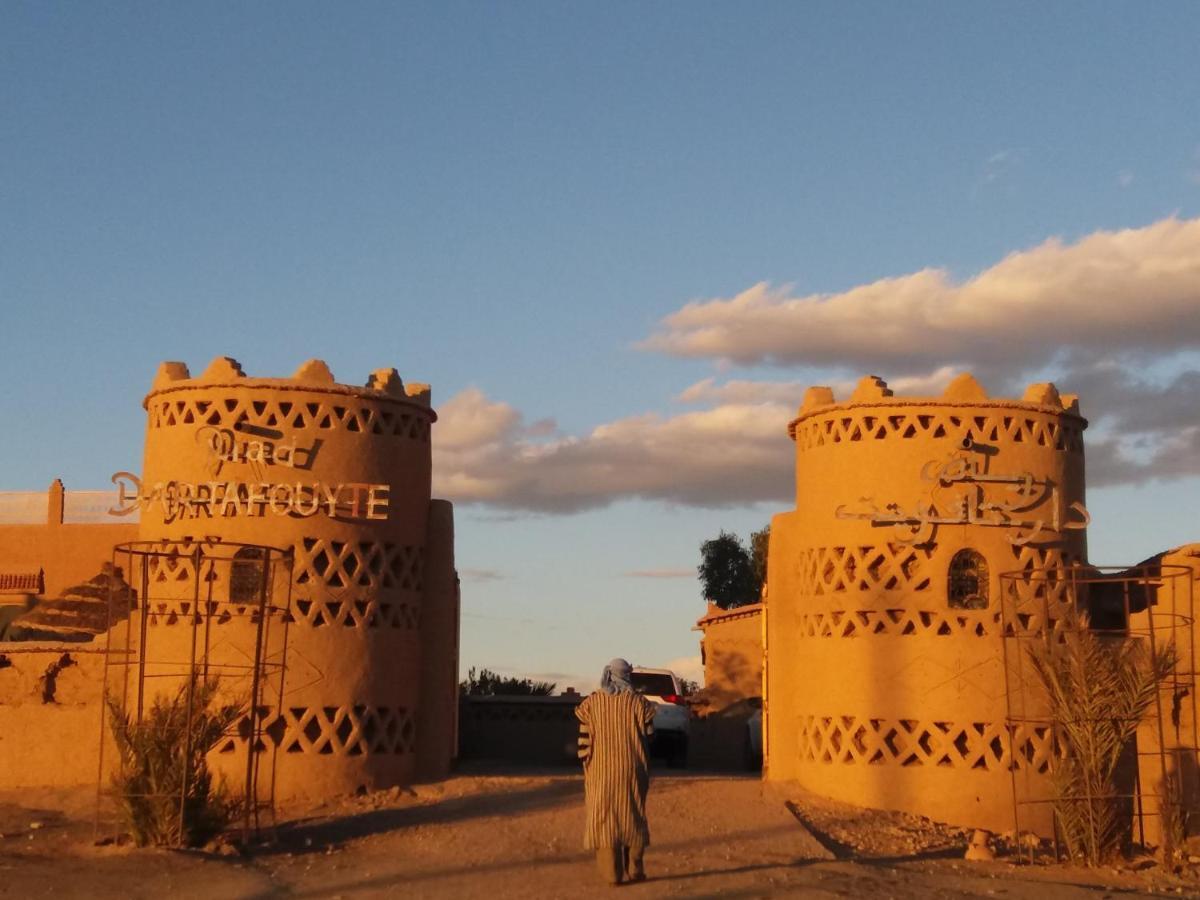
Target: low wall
<point>719,740</point>
<point>50,707</point>
<point>535,730</point>
<point>732,650</point>
<point>67,554</point>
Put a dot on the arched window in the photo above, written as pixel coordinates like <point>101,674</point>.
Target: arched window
<point>967,581</point>
<point>245,575</point>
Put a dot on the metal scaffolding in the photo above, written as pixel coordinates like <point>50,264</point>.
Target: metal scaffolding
<point>1152,604</point>
<point>200,611</point>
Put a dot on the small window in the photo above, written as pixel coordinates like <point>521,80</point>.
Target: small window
<point>967,583</point>
<point>245,575</point>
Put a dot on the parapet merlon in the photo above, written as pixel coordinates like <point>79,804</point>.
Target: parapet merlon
<point>314,373</point>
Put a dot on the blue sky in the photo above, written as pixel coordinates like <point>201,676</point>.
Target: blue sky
<point>508,200</point>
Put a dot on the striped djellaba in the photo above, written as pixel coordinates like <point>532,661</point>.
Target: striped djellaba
<point>613,732</point>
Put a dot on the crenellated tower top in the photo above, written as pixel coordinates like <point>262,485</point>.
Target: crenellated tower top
<point>963,392</point>
<point>313,375</point>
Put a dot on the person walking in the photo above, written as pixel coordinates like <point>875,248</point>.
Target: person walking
<point>615,725</point>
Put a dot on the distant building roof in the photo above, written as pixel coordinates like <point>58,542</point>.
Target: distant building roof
<point>715,614</point>
<point>21,582</point>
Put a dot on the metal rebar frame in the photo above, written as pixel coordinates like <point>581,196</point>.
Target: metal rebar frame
<point>1057,595</point>
<point>133,661</point>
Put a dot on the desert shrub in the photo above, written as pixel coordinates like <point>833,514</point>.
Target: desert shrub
<point>487,683</point>
<point>1099,690</point>
<point>1174,820</point>
<point>156,756</point>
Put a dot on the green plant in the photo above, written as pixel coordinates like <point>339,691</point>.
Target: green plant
<point>487,683</point>
<point>1174,821</point>
<point>760,544</point>
<point>1099,690</point>
<point>165,789</point>
<point>726,572</point>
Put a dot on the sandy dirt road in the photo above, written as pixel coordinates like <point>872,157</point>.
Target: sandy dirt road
<point>518,835</point>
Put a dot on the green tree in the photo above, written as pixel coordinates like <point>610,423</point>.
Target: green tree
<point>759,543</point>
<point>486,683</point>
<point>727,572</point>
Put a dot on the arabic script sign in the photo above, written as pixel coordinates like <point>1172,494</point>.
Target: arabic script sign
<point>963,492</point>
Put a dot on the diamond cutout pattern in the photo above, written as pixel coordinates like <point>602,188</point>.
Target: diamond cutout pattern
<point>343,731</point>
<point>363,564</point>
<point>889,567</point>
<point>897,623</point>
<point>170,569</point>
<point>912,742</point>
<point>331,731</point>
<point>185,612</point>
<point>372,613</point>
<point>1042,594</point>
<point>382,419</point>
<point>350,583</point>
<point>857,426</point>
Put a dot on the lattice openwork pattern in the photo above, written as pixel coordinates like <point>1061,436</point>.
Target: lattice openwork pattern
<point>914,742</point>
<point>897,623</point>
<point>1042,595</point>
<point>357,613</point>
<point>365,564</point>
<point>923,422</point>
<point>889,567</point>
<point>349,415</point>
<point>333,730</point>
<point>372,613</point>
<point>185,612</point>
<point>171,569</point>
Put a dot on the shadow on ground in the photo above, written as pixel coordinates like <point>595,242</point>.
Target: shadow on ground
<point>316,834</point>
<point>541,860</point>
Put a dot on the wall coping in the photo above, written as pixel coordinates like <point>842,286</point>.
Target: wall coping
<point>724,615</point>
<point>98,647</point>
<point>521,699</point>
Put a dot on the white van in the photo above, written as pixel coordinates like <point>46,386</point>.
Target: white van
<point>672,718</point>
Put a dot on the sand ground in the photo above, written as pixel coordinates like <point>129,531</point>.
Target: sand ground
<point>516,834</point>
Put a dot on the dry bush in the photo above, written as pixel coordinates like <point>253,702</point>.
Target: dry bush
<point>1099,690</point>
<point>156,756</point>
<point>1174,820</point>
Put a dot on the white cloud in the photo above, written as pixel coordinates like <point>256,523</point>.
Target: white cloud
<point>1124,178</point>
<point>1112,290</point>
<point>689,667</point>
<point>790,393</point>
<point>730,455</point>
<point>1001,163</point>
<point>481,575</point>
<point>743,392</point>
<point>1096,316</point>
<point>1145,429</point>
<point>1099,316</point>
